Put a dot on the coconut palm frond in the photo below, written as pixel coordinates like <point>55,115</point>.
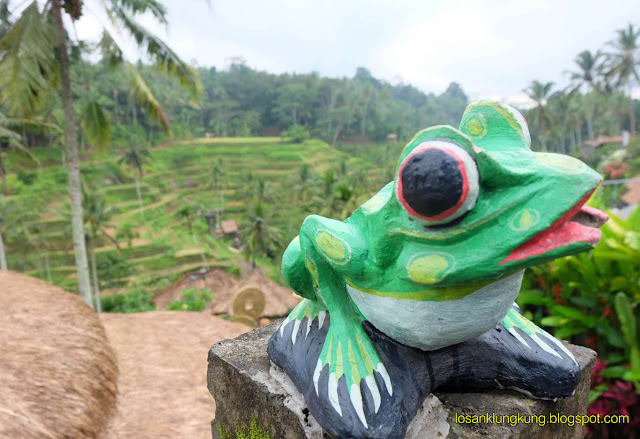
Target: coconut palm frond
<point>165,59</point>
<point>142,94</point>
<point>27,61</point>
<point>155,8</point>
<point>110,50</point>
<point>95,123</point>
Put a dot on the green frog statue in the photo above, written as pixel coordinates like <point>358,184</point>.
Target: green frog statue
<point>416,289</point>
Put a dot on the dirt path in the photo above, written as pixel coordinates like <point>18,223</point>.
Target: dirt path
<point>162,358</point>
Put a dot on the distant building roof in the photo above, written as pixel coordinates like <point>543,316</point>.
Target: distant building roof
<point>229,227</point>
<point>601,140</point>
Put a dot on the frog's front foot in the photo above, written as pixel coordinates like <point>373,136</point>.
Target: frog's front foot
<point>350,356</point>
<point>548,343</point>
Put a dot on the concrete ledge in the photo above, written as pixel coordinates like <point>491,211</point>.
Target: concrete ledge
<point>246,386</point>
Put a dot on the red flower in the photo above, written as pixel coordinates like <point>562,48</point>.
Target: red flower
<point>600,406</point>
<point>596,378</point>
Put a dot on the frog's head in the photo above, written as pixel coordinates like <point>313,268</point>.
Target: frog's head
<point>483,204</point>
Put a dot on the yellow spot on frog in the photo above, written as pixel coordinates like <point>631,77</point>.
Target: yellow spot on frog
<point>374,204</point>
<point>311,266</point>
<point>561,163</point>
<point>333,247</point>
<point>428,269</point>
<point>525,219</point>
<point>477,126</point>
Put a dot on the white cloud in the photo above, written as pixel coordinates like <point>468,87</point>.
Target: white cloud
<point>492,47</point>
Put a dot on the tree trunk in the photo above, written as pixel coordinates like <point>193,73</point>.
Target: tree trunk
<point>3,255</point>
<point>590,127</point>
<point>3,176</point>
<point>363,124</point>
<point>94,269</point>
<point>632,115</point>
<point>335,136</point>
<point>579,136</point>
<point>139,194</point>
<point>71,141</point>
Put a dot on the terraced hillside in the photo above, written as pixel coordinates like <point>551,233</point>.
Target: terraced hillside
<point>172,236</point>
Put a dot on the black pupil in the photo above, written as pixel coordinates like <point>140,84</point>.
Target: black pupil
<point>431,182</point>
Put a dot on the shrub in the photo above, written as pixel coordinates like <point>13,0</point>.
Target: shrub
<point>193,299</point>
<point>296,133</point>
<point>590,299</point>
<point>27,178</point>
<point>112,265</point>
<point>244,432</point>
<point>137,300</point>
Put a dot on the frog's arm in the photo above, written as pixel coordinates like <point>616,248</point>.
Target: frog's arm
<point>334,251</point>
<point>341,245</point>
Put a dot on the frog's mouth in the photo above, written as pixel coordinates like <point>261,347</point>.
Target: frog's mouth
<point>578,224</point>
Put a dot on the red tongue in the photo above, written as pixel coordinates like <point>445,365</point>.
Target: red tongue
<point>548,240</point>
<point>561,233</point>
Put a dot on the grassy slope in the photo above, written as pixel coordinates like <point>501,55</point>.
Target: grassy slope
<point>179,174</point>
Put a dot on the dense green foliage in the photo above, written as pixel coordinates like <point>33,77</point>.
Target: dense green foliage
<point>136,300</point>
<point>252,431</point>
<point>247,179</point>
<point>241,101</point>
<point>192,299</point>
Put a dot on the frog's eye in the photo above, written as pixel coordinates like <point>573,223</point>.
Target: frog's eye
<point>437,182</point>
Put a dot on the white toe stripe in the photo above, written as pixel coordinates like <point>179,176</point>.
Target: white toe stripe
<point>544,346</point>
<point>513,332</point>
<point>316,375</point>
<point>294,334</point>
<point>356,401</point>
<point>385,376</point>
<point>285,323</point>
<point>373,388</point>
<point>333,393</point>
<point>321,316</point>
<point>309,320</point>
<point>561,346</point>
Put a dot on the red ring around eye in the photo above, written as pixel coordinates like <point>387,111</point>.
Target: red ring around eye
<point>465,185</point>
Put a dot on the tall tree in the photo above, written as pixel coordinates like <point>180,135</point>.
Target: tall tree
<point>624,64</point>
<point>136,157</point>
<point>35,58</point>
<point>589,67</point>
<point>97,213</point>
<point>540,92</point>
<point>261,237</point>
<point>12,140</point>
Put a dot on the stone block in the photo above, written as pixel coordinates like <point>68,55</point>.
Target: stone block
<point>247,386</point>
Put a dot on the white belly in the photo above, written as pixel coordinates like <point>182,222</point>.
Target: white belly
<point>432,325</point>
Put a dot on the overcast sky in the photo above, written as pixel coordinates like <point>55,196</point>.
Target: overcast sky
<point>493,48</point>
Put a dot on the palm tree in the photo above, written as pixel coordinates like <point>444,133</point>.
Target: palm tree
<point>127,233</point>
<point>217,174</point>
<point>186,213</point>
<point>136,157</point>
<point>539,92</point>
<point>261,237</point>
<point>34,59</point>
<point>14,141</point>
<point>97,213</point>
<point>623,65</point>
<point>589,67</point>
